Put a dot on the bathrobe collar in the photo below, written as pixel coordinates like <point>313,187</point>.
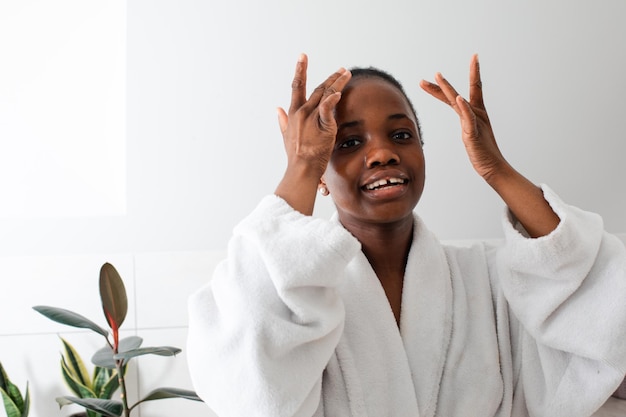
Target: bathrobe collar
<point>402,366</point>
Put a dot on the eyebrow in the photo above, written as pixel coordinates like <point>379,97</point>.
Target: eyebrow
<point>398,116</point>
<point>395,116</point>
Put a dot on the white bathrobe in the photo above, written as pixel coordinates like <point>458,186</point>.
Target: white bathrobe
<point>296,323</point>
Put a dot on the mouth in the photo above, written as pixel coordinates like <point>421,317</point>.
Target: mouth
<point>385,183</point>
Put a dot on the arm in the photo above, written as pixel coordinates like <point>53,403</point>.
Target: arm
<point>567,290</point>
<point>309,131</point>
<point>264,329</point>
<point>523,198</point>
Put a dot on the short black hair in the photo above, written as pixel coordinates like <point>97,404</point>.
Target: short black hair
<point>373,72</point>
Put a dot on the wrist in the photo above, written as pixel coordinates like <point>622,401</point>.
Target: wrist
<point>298,187</point>
<point>501,176</point>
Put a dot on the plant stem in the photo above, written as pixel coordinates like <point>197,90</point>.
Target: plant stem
<point>119,365</point>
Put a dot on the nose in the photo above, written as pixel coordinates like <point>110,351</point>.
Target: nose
<point>381,152</point>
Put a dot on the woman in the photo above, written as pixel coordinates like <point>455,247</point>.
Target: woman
<point>369,315</point>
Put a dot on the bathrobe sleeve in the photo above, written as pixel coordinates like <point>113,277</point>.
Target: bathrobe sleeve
<point>568,291</point>
<point>265,327</point>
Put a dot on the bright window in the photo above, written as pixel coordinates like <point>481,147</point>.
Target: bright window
<point>62,108</point>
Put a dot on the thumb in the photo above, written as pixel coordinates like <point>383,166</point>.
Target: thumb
<point>282,119</point>
<point>326,111</point>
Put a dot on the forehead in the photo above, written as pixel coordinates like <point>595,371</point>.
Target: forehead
<point>365,95</point>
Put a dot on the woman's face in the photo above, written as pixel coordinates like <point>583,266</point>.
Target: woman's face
<point>376,171</point>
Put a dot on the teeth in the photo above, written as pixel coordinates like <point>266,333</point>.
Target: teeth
<point>380,183</point>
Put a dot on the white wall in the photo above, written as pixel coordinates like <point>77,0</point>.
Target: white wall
<point>202,144</point>
<point>204,78</point>
<point>157,285</point>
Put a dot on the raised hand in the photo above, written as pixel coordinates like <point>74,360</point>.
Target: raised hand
<point>477,134</point>
<point>524,199</point>
<point>309,130</point>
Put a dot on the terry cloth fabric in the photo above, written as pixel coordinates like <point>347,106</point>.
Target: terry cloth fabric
<point>620,392</point>
<point>296,323</point>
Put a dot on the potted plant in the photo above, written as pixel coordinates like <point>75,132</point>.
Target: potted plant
<point>113,357</point>
<point>102,383</point>
<point>15,404</point>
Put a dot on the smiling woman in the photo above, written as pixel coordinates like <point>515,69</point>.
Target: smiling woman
<point>377,162</point>
<point>369,314</point>
<point>141,132</point>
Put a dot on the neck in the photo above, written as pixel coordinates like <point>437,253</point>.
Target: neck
<point>386,247</point>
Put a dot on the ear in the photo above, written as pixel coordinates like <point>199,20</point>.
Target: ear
<point>322,188</point>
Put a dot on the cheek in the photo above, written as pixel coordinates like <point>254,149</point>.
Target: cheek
<point>336,184</point>
<point>419,156</point>
<point>338,175</point>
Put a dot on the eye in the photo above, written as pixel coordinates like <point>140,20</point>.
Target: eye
<point>349,143</point>
<point>402,135</point>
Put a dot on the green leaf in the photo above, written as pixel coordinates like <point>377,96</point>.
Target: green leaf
<point>161,351</point>
<point>75,385</point>
<point>14,395</point>
<point>14,404</point>
<point>10,389</point>
<point>101,376</point>
<point>69,379</point>
<point>112,384</point>
<point>164,393</point>
<point>26,407</point>
<point>9,406</point>
<point>109,408</point>
<point>3,377</point>
<point>104,357</point>
<point>69,318</point>
<point>75,365</point>
<point>113,296</point>
<point>130,343</point>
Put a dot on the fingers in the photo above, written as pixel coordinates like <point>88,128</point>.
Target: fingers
<point>445,92</point>
<point>330,97</point>
<point>333,84</point>
<point>476,85</point>
<point>283,119</point>
<point>326,108</point>
<point>449,92</point>
<point>468,118</point>
<point>433,90</point>
<point>313,116</point>
<point>298,85</point>
<point>442,90</point>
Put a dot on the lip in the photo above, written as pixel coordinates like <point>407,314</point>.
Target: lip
<point>386,174</point>
<point>383,175</point>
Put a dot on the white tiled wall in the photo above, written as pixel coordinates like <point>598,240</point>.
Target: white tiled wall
<point>158,285</point>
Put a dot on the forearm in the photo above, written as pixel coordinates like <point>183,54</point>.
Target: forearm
<point>567,290</point>
<point>251,358</point>
<point>298,187</point>
<point>262,333</point>
<point>525,200</point>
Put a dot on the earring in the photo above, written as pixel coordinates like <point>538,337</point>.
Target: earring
<point>323,191</point>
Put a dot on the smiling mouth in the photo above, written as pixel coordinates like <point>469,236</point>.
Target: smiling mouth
<point>389,182</point>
